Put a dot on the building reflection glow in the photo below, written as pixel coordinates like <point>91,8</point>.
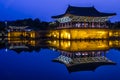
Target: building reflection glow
<point>76,55</point>
<point>83,55</point>
<point>84,45</point>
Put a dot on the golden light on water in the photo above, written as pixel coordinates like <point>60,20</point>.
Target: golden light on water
<point>83,45</point>
<point>17,43</point>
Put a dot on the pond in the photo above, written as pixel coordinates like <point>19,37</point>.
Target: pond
<point>59,59</point>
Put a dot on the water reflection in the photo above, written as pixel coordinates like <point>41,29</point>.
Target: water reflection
<point>82,61</point>
<point>19,45</point>
<point>83,55</point>
<point>84,45</point>
<point>76,55</point>
<point>75,46</point>
<point>64,45</point>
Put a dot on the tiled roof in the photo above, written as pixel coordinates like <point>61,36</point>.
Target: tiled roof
<point>84,11</point>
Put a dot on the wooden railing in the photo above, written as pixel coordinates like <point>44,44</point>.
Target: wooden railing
<point>60,27</point>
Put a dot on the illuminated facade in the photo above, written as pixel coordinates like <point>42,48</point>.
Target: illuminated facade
<point>79,33</point>
<point>18,34</point>
<point>20,31</point>
<point>81,23</point>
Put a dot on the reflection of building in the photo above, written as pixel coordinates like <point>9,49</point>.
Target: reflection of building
<point>89,45</point>
<point>76,23</point>
<point>82,61</point>
<point>2,43</point>
<point>75,46</point>
<point>83,55</point>
<point>114,33</point>
<point>20,44</point>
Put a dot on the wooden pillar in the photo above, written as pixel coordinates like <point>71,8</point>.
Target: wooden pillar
<point>104,54</point>
<point>67,54</point>
<point>70,55</point>
<point>66,24</point>
<point>61,24</point>
<point>84,24</point>
<point>70,24</point>
<point>59,34</point>
<point>90,54</point>
<point>80,25</point>
<point>99,24</point>
<point>93,25</point>
<point>90,24</point>
<point>106,25</point>
<point>73,24</point>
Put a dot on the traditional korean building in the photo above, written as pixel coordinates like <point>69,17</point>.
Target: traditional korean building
<point>20,31</point>
<point>83,17</point>
<point>81,23</point>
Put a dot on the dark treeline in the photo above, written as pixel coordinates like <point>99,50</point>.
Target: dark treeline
<point>2,26</point>
<point>115,25</point>
<point>35,24</point>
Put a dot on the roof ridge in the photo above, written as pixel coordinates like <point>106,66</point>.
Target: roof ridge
<point>81,6</point>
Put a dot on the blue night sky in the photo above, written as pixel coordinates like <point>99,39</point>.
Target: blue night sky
<point>44,9</point>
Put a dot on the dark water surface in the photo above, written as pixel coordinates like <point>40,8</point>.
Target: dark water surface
<point>36,62</point>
